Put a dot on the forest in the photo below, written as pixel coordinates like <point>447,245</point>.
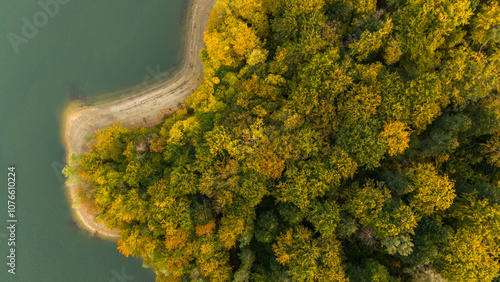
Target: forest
<point>331,140</point>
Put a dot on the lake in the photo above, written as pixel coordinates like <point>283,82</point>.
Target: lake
<point>52,51</point>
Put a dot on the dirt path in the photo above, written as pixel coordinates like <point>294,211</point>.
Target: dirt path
<point>144,109</point>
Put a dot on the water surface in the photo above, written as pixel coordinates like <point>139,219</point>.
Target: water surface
<point>89,48</point>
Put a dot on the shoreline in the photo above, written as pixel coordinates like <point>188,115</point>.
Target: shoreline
<point>145,108</point>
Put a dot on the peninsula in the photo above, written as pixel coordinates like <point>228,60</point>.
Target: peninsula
<point>142,109</point>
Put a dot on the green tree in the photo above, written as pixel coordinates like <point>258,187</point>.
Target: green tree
<point>363,144</point>
<point>400,244</point>
<point>309,259</point>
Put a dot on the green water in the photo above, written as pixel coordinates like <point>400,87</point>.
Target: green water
<point>98,46</point>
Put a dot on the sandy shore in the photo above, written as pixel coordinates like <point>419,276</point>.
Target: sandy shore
<point>146,108</point>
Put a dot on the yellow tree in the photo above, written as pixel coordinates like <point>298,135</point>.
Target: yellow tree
<point>425,94</point>
<point>342,163</point>
<point>363,6</point>
<point>395,219</point>
<point>371,42</point>
<point>423,25</point>
<point>230,44</point>
<point>392,52</point>
<point>481,216</point>
<point>360,103</point>
<point>485,21</point>
<point>472,253</point>
<point>468,76</point>
<point>467,257</point>
<point>243,39</point>
<point>433,192</point>
<point>255,12</point>
<point>396,136</point>
<point>110,142</point>
<point>212,259</point>
<point>236,221</point>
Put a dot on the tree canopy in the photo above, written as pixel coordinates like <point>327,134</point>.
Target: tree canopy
<point>331,140</point>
